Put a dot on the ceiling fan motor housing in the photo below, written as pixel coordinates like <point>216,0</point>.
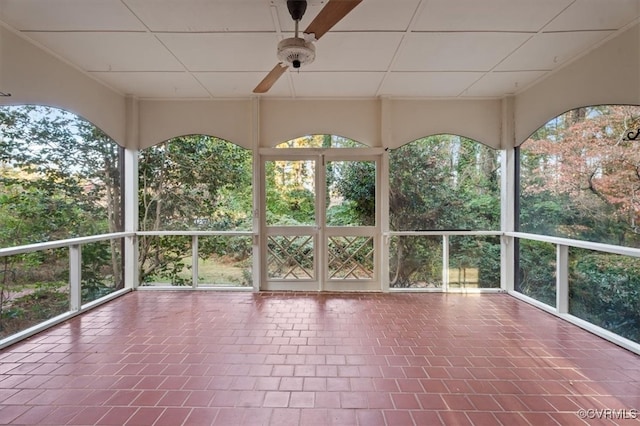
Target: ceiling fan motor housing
<point>296,52</point>
<point>297,8</point>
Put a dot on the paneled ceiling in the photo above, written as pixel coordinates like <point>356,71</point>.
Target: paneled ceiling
<point>217,49</point>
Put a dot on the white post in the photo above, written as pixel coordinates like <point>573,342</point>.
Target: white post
<point>386,138</point>
<point>194,261</point>
<point>445,263</point>
<point>507,195</point>
<point>258,201</point>
<point>130,186</point>
<point>562,279</point>
<point>75,277</point>
<point>384,221</point>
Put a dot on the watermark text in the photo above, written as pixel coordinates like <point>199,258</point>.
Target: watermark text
<point>608,413</point>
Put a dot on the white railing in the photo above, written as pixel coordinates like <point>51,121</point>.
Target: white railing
<point>195,273</point>
<point>562,267</point>
<point>562,282</point>
<point>75,279</point>
<point>445,257</point>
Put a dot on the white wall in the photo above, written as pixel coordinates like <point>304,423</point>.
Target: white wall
<point>162,120</point>
<point>33,76</point>
<point>282,120</point>
<point>609,74</point>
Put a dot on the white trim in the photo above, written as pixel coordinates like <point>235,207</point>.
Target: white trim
<point>193,233</point>
<point>194,261</point>
<point>130,185</point>
<point>607,248</point>
<point>10,251</point>
<point>562,279</point>
<point>190,288</point>
<point>445,263</point>
<point>442,233</point>
<point>75,277</point>
<point>364,153</point>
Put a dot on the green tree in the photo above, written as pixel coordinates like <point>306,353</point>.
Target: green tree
<point>436,183</point>
<point>193,182</point>
<point>59,178</point>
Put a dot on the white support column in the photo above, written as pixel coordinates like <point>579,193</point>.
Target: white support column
<point>562,279</point>
<point>194,262</point>
<point>321,244</point>
<point>75,278</point>
<point>384,222</point>
<point>130,185</point>
<point>507,195</point>
<point>258,231</point>
<point>445,263</point>
<point>386,138</point>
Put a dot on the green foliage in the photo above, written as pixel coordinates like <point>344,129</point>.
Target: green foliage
<point>184,181</point>
<point>415,262</point>
<point>59,178</point>
<point>47,300</point>
<point>439,183</point>
<point>605,290</point>
<point>356,182</point>
<point>579,179</point>
<point>536,272</point>
<point>192,182</point>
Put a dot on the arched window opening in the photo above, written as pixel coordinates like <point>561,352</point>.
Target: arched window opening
<point>580,179</point>
<point>444,183</point>
<point>321,141</point>
<point>59,178</point>
<point>195,183</point>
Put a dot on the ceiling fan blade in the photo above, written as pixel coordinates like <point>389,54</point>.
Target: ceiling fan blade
<point>270,79</point>
<point>330,15</point>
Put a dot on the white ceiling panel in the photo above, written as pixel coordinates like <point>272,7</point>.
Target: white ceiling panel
<point>99,51</point>
<point>428,84</point>
<point>456,51</point>
<point>154,84</point>
<point>488,15</point>
<point>335,84</point>
<point>596,15</point>
<point>69,15</point>
<point>204,15</point>
<point>223,52</point>
<point>403,48</point>
<point>354,51</point>
<point>381,15</point>
<point>237,84</point>
<point>548,50</point>
<point>497,84</point>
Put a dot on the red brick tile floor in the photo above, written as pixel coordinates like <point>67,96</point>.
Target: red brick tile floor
<point>221,358</point>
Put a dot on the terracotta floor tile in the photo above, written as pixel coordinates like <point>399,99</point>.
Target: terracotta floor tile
<point>398,417</point>
<point>370,417</point>
<point>88,415</point>
<point>458,418</point>
<point>314,359</point>
<point>314,417</point>
<point>201,416</point>
<point>117,416</point>
<point>285,417</point>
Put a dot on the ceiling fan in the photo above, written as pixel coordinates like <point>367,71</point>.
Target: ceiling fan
<point>297,51</point>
